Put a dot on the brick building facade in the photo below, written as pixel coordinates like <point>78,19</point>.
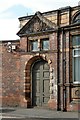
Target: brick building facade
<point>42,68</point>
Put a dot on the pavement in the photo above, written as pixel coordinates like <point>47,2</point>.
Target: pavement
<point>36,114</point>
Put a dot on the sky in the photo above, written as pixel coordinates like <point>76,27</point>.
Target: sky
<point>11,10</point>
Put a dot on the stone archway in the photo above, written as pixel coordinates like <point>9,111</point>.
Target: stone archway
<point>28,79</point>
<point>28,88</point>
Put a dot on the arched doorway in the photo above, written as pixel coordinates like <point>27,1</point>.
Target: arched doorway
<point>40,83</point>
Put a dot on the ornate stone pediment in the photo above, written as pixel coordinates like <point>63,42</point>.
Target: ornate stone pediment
<point>38,23</point>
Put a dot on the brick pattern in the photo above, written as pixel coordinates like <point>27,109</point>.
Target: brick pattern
<point>10,78</point>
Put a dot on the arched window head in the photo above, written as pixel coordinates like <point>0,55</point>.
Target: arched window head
<point>76,19</point>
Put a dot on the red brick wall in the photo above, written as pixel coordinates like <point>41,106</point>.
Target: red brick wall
<point>10,77</point>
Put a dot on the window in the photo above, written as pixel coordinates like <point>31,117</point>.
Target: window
<point>76,59</point>
<point>39,45</point>
<point>34,45</point>
<point>45,44</point>
<point>76,40</point>
<point>76,65</point>
<point>77,19</point>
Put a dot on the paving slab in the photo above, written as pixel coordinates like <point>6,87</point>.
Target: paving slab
<point>37,113</point>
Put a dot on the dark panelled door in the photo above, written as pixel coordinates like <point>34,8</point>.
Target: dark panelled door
<point>40,83</point>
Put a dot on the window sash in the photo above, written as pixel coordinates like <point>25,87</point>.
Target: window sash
<point>76,40</point>
<point>76,59</point>
<point>76,52</point>
<point>45,44</point>
<point>34,45</point>
<point>76,69</point>
<point>76,65</point>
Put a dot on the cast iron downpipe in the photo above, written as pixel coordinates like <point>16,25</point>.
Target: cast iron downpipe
<point>64,69</point>
<point>58,72</point>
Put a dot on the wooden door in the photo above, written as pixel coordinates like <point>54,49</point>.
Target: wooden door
<point>40,83</point>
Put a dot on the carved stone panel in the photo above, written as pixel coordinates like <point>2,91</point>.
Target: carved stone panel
<point>76,93</point>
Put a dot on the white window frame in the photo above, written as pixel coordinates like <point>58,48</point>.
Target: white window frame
<point>75,56</point>
<point>76,49</point>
